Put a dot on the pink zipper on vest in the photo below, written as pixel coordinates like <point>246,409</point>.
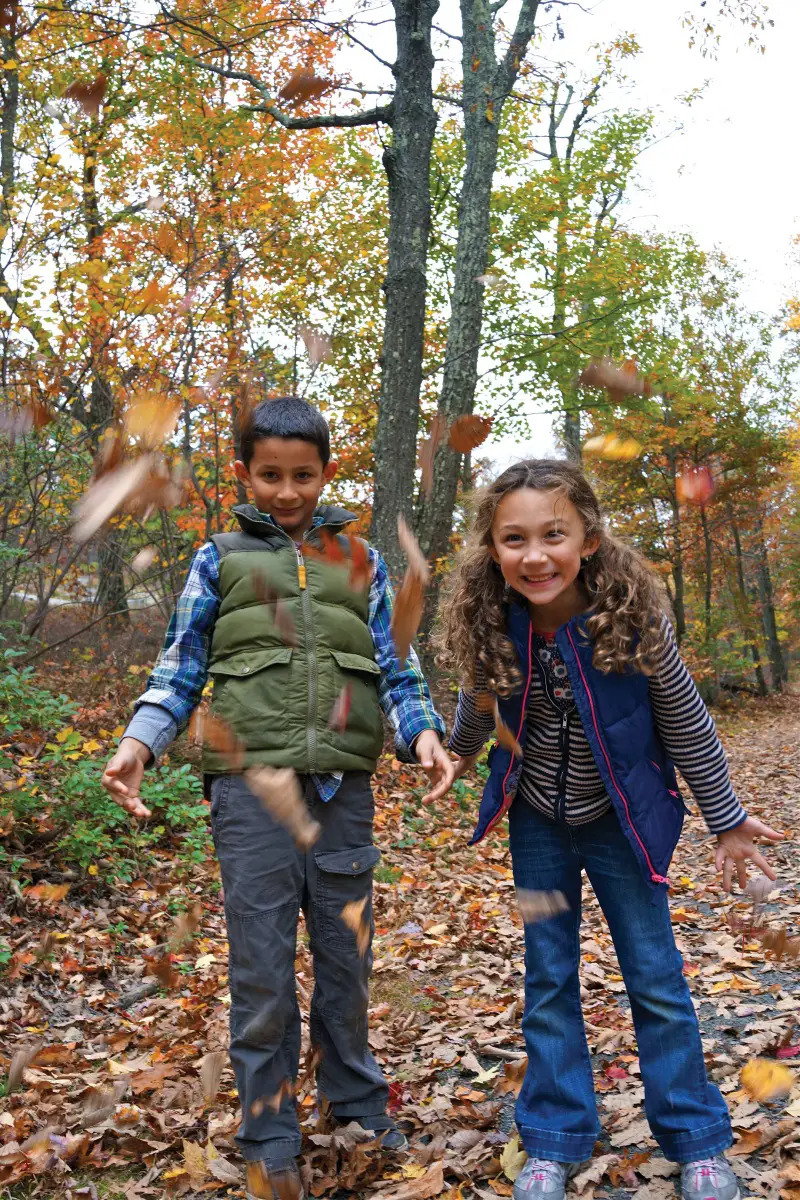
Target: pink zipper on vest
<point>656,878</point>
<point>506,803</point>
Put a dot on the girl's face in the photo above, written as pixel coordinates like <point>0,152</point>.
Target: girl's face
<point>538,539</point>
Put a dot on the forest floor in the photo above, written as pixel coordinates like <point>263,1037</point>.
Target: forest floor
<point>131,1095</point>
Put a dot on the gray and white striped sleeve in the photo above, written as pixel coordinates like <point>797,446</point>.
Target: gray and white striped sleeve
<point>690,737</point>
<point>472,727</point>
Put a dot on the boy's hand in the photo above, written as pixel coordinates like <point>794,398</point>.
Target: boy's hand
<point>434,759</point>
<point>122,777</point>
<point>735,846</point>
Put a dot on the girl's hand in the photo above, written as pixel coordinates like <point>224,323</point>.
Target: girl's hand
<point>122,777</point>
<point>463,765</point>
<point>434,759</point>
<point>735,846</point>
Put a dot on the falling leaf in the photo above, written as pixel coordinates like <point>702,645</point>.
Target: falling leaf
<point>88,95</point>
<point>151,418</point>
<point>186,925</point>
<point>513,1158</point>
<point>206,729</point>
<point>409,601</point>
<point>107,495</point>
<point>765,1080</point>
<point>353,917</point>
<point>101,1103</point>
<point>22,1059</point>
<point>360,565</point>
<point>304,85</point>
<point>618,381</point>
<point>612,447</point>
<point>341,709</point>
<point>318,344</point>
<point>285,1091</point>
<point>694,485</point>
<point>505,736</point>
<point>491,281</point>
<point>16,420</point>
<point>144,559</point>
<point>279,791</point>
<point>164,971</point>
<point>537,906</point>
<point>427,452</point>
<point>211,1066</point>
<point>284,622</point>
<point>469,431</point>
<point>760,888</point>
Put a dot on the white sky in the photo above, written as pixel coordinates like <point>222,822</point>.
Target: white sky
<point>728,171</point>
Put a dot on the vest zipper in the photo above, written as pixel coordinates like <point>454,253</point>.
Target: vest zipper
<point>656,878</point>
<point>311,658</point>
<point>561,778</point>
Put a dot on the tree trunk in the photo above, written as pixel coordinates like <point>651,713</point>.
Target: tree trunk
<point>678,595</point>
<point>407,164</point>
<point>765,594</point>
<point>749,632</point>
<point>708,576</point>
<point>487,84</point>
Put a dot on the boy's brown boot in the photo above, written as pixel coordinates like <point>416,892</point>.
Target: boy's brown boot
<point>274,1180</point>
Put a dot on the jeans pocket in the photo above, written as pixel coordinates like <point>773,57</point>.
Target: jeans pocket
<point>344,877</point>
<point>219,792</point>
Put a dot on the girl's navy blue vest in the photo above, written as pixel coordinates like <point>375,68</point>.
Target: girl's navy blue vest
<point>618,722</point>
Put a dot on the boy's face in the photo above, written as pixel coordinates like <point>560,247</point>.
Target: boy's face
<point>286,477</point>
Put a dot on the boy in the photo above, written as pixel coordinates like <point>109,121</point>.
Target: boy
<point>276,683</point>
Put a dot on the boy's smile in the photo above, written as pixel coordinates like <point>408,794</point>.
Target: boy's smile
<point>286,478</point>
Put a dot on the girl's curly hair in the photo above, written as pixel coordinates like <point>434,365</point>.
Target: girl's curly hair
<point>625,615</point>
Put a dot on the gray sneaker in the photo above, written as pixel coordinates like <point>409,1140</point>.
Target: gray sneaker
<point>543,1178</point>
<point>709,1179</point>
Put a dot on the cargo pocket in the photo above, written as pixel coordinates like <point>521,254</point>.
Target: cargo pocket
<point>344,877</point>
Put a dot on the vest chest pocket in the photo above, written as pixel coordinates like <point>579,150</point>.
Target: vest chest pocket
<point>250,688</point>
<point>360,675</point>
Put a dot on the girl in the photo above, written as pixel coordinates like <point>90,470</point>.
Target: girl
<point>562,627</point>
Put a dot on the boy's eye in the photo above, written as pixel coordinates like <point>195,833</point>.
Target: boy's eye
<point>303,475</point>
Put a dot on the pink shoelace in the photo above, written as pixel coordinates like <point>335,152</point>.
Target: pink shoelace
<point>704,1169</point>
<point>543,1170</point>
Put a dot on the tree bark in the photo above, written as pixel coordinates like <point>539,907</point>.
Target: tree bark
<point>749,632</point>
<point>487,85</point>
<point>779,675</point>
<point>407,163</point>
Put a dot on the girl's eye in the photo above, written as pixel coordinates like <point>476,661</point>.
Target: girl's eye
<point>303,475</point>
<point>513,537</point>
<point>555,533</point>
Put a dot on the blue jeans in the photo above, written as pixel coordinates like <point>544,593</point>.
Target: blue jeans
<point>556,1111</point>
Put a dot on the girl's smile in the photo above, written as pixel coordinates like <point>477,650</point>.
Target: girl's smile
<point>538,539</point>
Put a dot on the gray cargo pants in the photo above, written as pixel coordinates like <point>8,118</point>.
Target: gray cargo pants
<point>267,881</point>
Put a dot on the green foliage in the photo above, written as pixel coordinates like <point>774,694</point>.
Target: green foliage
<point>23,704</point>
<point>60,802</point>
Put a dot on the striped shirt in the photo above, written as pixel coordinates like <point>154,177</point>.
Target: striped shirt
<point>178,678</point>
<point>559,775</point>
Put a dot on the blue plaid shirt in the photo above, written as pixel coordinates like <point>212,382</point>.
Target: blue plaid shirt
<point>178,678</point>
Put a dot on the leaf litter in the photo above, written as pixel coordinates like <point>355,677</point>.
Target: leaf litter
<point>145,1083</point>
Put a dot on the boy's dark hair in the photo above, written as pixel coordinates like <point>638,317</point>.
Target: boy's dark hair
<point>286,417</point>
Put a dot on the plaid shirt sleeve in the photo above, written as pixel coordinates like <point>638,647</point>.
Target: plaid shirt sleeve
<point>180,674</point>
<point>402,691</point>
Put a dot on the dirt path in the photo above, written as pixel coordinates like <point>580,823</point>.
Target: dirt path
<point>115,1100</point>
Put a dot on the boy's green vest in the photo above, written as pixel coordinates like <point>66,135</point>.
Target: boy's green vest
<point>279,698</point>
